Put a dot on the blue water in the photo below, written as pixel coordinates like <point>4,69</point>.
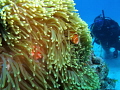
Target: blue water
<point>88,10</point>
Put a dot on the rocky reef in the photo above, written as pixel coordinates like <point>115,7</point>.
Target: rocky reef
<point>101,68</point>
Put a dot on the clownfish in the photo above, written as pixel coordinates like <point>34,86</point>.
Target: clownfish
<point>36,54</point>
<point>75,39</point>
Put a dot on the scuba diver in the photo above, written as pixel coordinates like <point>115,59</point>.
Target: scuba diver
<point>106,32</point>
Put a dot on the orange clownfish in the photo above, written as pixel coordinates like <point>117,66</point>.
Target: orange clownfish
<point>35,53</point>
<point>75,39</point>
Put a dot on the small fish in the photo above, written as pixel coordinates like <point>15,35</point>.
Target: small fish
<point>75,39</point>
<point>35,53</point>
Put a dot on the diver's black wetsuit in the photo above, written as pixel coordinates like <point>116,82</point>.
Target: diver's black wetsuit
<point>106,32</point>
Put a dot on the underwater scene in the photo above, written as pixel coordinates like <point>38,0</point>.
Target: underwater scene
<point>102,17</point>
<point>59,45</point>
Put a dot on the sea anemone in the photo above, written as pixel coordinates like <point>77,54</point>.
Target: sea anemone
<point>37,48</point>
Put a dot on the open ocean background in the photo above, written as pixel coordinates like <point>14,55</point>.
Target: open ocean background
<point>88,10</point>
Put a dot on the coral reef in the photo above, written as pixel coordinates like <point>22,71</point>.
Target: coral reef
<point>99,65</point>
<point>44,46</point>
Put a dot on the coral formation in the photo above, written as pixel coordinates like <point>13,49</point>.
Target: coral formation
<point>44,45</point>
<point>99,65</point>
